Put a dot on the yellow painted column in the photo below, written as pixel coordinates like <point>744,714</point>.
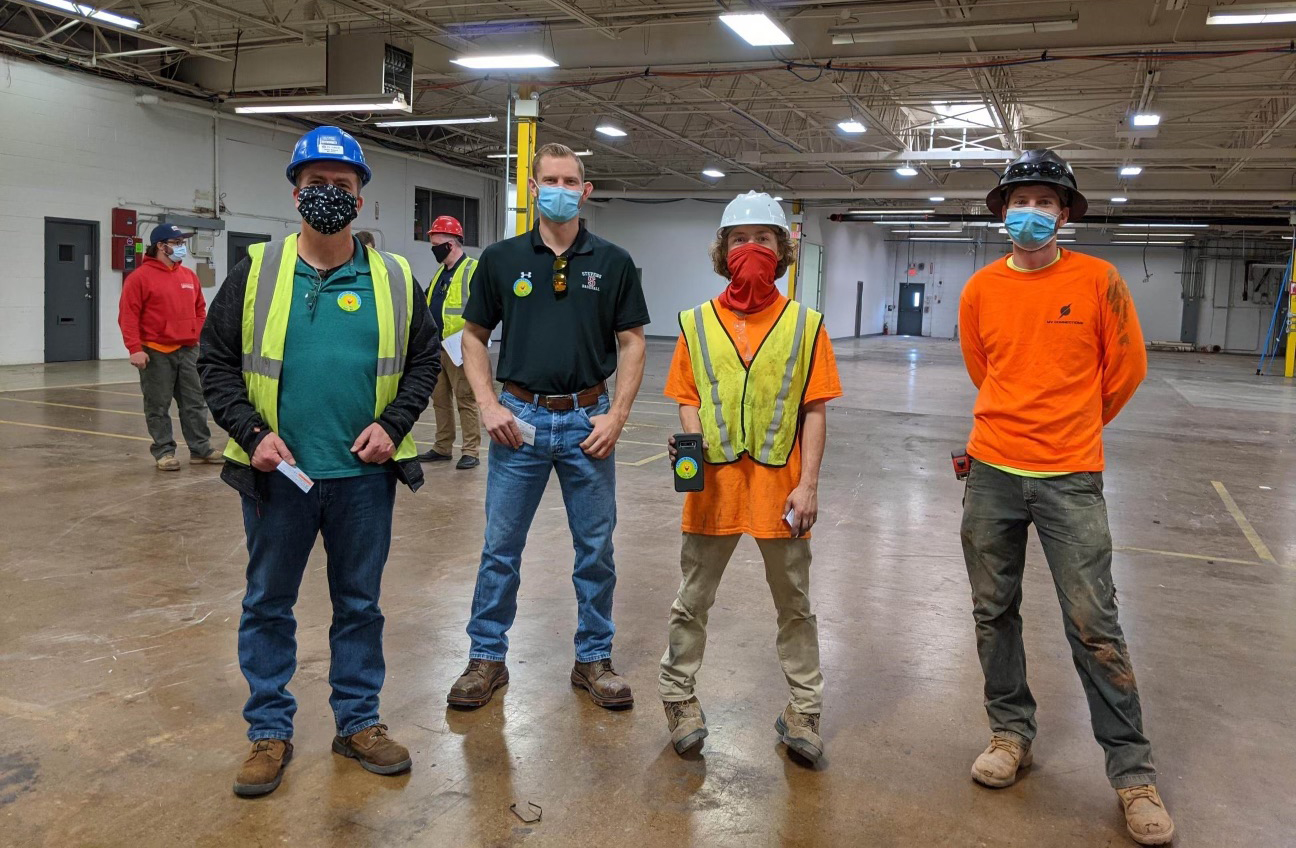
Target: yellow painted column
<point>527,111</point>
<point>1290,369</point>
<point>796,240</point>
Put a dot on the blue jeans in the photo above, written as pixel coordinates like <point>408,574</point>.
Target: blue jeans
<point>515,482</point>
<point>354,514</point>
<point>1070,517</point>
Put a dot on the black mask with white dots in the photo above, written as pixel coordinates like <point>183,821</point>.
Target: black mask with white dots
<point>327,208</point>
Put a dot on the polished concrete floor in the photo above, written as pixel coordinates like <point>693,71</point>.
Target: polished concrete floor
<point>120,696</point>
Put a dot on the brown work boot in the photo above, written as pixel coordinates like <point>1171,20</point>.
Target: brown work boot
<point>212,457</point>
<point>800,732</point>
<point>263,769</point>
<point>606,687</point>
<point>375,750</point>
<point>168,463</point>
<point>687,724</point>
<point>999,764</point>
<point>478,683</point>
<point>1146,817</point>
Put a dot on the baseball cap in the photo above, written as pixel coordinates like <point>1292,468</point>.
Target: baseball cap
<point>166,232</point>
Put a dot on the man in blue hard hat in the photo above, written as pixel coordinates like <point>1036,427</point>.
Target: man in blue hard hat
<point>318,356</point>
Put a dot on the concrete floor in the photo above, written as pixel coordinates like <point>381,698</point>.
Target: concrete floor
<point>120,694</point>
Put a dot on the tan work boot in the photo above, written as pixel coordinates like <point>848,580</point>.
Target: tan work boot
<point>168,463</point>
<point>608,689</point>
<point>263,769</point>
<point>212,457</point>
<point>1146,817</point>
<point>800,732</point>
<point>375,750</point>
<point>478,683</point>
<point>687,724</point>
<point>998,764</point>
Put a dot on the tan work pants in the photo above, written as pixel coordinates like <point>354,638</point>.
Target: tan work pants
<point>453,381</point>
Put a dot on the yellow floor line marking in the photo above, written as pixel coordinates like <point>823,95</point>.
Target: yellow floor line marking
<point>107,391</point>
<point>1188,556</point>
<point>657,402</point>
<point>74,430</point>
<point>652,458</point>
<point>74,386</point>
<point>72,406</point>
<point>1261,549</point>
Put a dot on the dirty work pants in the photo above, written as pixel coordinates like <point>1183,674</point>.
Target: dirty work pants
<point>1070,517</point>
<point>174,375</point>
<point>787,570</point>
<point>453,389</point>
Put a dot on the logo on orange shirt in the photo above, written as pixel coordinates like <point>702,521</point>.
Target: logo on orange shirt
<point>1063,313</point>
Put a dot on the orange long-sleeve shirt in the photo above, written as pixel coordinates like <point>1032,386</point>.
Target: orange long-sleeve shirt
<point>1056,354</point>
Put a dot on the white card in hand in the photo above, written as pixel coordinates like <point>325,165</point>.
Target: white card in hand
<point>790,518</point>
<point>527,431</point>
<point>296,475</point>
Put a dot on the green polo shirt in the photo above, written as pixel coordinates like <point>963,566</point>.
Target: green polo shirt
<point>330,367</point>
<point>556,342</point>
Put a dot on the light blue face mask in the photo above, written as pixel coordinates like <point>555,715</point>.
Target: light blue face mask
<point>1030,228</point>
<point>179,253</point>
<point>558,204</point>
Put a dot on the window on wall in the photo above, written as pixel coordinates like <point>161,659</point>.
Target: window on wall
<point>429,205</point>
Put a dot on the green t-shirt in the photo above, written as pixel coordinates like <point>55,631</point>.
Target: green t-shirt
<point>330,364</point>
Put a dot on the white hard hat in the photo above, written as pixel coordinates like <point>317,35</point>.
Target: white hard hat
<point>754,207</point>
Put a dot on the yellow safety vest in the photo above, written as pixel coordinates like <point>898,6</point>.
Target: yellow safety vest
<point>265,326</point>
<point>751,409</point>
<point>452,320</point>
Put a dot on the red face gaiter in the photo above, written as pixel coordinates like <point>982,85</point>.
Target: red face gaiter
<point>751,278</point>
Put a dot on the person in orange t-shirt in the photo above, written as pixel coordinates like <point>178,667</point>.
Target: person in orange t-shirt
<point>752,373</point>
<point>1052,342</point>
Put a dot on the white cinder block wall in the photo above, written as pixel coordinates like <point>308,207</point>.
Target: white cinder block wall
<point>73,146</point>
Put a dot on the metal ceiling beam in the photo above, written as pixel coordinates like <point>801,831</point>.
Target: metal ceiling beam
<point>593,23</point>
<point>1196,196</point>
<point>367,7</point>
<point>243,17</point>
<point>146,36</point>
<point>1169,155</point>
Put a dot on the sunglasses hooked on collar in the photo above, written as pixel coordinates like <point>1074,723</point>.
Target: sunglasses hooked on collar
<point>560,275</point>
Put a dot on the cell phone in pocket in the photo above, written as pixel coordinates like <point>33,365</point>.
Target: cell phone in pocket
<point>689,471</point>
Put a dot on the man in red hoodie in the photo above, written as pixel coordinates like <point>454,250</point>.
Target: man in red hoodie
<point>161,314</point>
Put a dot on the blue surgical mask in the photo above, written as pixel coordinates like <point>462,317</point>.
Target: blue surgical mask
<point>558,204</point>
<point>179,253</point>
<point>1030,228</point>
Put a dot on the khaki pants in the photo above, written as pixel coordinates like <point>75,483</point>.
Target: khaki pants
<point>454,382</point>
<point>787,570</point>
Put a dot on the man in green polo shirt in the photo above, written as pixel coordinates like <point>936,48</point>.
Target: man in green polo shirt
<point>318,356</point>
<point>569,301</point>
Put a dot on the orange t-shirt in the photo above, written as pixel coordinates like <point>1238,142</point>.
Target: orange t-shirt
<point>745,496</point>
<point>1056,353</point>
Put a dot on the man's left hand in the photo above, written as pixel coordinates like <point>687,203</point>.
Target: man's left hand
<point>607,429</point>
<point>804,503</point>
<point>374,445</point>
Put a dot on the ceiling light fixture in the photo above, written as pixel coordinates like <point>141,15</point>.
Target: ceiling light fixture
<point>1119,199</point>
<point>514,155</point>
<point>935,199</point>
<point>940,239</point>
<point>756,29</point>
<point>924,232</point>
<point>713,172</point>
<point>81,10</point>
<point>891,211</point>
<point>1168,224</point>
<point>962,29</point>
<point>906,171</point>
<point>1131,170</point>
<point>610,130</point>
<point>436,122</point>
<point>1146,243</point>
<point>1252,13</point>
<point>852,126</point>
<point>320,103</point>
<point>505,61</point>
<point>1146,119</point>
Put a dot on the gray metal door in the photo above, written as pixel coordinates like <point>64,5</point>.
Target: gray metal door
<point>911,309</point>
<point>238,245</point>
<point>71,290</point>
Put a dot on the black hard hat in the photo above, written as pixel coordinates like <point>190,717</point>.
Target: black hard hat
<point>1038,167</point>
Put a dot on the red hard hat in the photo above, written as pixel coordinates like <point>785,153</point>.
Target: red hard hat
<point>448,226</point>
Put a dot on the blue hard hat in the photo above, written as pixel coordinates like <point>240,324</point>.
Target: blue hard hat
<point>328,144</point>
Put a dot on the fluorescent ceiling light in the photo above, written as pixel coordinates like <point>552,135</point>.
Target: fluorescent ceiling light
<point>1168,224</point>
<point>608,129</point>
<point>514,155</point>
<point>713,172</point>
<point>436,122</point>
<point>963,29</point>
<point>505,61</point>
<point>925,232</point>
<point>894,223</point>
<point>1131,170</point>
<point>1252,13</point>
<point>940,239</point>
<point>852,126</point>
<point>84,11</point>
<point>891,211</point>
<point>906,171</point>
<point>935,199</point>
<point>1062,232</point>
<point>1119,199</point>
<point>320,103</point>
<point>1146,243</point>
<point>777,199</point>
<point>1155,235</point>
<point>756,29</point>
<point>1146,119</point>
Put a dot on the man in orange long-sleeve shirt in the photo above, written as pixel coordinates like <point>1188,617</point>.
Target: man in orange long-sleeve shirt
<point>1051,340</point>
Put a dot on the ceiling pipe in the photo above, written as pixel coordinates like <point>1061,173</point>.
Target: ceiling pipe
<point>1195,197</point>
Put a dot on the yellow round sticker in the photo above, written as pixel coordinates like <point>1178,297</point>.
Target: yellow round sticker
<point>522,287</point>
<point>348,301</point>
<point>686,468</point>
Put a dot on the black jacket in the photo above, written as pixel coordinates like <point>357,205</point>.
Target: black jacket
<point>220,364</point>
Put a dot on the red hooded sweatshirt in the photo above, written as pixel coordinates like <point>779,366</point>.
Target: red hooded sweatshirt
<point>162,308</point>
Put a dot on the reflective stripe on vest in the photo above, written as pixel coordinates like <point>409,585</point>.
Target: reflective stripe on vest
<point>266,305</point>
<point>456,295</point>
<point>744,407</point>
